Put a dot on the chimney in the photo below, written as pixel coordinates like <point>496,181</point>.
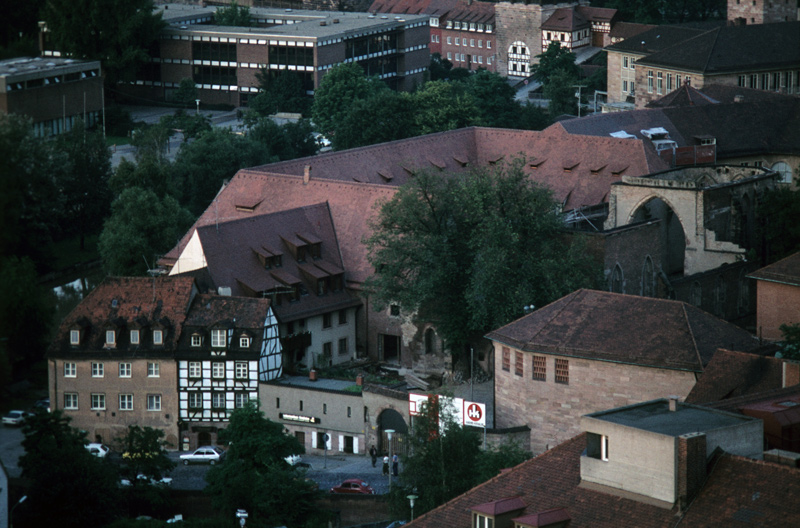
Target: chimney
<point>360,380</point>
<point>306,174</point>
<point>791,373</point>
<point>691,467</point>
<point>673,403</point>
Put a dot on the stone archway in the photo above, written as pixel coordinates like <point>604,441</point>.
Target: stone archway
<point>672,233</point>
<point>391,419</point>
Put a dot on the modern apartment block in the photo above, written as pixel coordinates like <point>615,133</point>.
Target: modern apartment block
<point>223,61</point>
<point>53,92</point>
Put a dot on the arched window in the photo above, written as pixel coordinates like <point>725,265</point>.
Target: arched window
<point>719,296</point>
<point>783,168</point>
<point>696,294</point>
<point>648,278</point>
<point>617,280</point>
<point>743,306</point>
<point>519,59</point>
<point>430,341</point>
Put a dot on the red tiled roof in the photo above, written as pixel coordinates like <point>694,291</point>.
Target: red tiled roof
<point>623,30</point>
<point>565,19</point>
<point>242,312</point>
<point>500,506</point>
<point>785,271</point>
<point>732,374</point>
<point>545,518</point>
<point>630,329</point>
<point>596,14</point>
<point>739,492</point>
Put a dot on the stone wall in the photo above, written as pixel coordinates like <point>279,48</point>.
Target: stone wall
<point>761,11</point>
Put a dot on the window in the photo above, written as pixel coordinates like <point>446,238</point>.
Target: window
<point>482,521</point>
<point>158,337</point>
<point>126,402</point>
<point>71,401</point>
<point>153,370</point>
<point>343,346</point>
<point>97,370</point>
<point>539,368</point>
<point>218,400</point>
<point>562,371</point>
<point>518,367</point>
<point>111,338</point>
<point>604,448</point>
<point>301,405</point>
<point>277,403</point>
<point>327,349</point>
<point>349,412</point>
<point>70,370</point>
<point>134,337</point>
<point>218,338</point>
<point>506,359</point>
<point>153,402</point>
<point>241,370</point>
<point>660,83</point>
<point>625,62</point>
<point>471,43</point>
<point>124,370</point>
<point>197,340</point>
<point>74,337</point>
<point>650,81</point>
<point>324,408</point>
<point>449,56</point>
<point>244,341</point>
<point>195,370</point>
<point>98,402</point>
<point>458,41</point>
<point>195,400</point>
<point>688,80</point>
<point>669,82</point>
<point>326,320</point>
<point>488,43</point>
<point>342,317</point>
<point>480,43</point>
<point>597,446</point>
<point>449,40</point>
<point>394,310</point>
<point>218,370</point>
<point>742,82</point>
<point>783,168</point>
<point>624,86</point>
<point>696,294</point>
<point>241,400</point>
<point>648,278</point>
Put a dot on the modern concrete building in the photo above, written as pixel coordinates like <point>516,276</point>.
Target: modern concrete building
<point>223,61</point>
<point>53,92</point>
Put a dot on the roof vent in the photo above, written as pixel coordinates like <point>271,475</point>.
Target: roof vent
<point>335,20</point>
<point>673,403</point>
<point>323,23</point>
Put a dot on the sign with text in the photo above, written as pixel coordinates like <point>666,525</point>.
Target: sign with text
<point>475,414</point>
<point>451,406</point>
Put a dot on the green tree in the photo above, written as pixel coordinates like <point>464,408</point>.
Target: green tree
<point>441,460</point>
<point>495,459</point>
<point>64,475</point>
<point>790,345</point>
<point>145,462</point>
<point>339,89</point>
<point>142,226</point>
<point>148,173</point>
<point>30,202</point>
<point>84,185</point>
<point>470,250</point>
<point>233,15</point>
<point>779,210</point>
<point>255,476</point>
<point>203,165</point>
<point>439,68</point>
<point>497,105</point>
<point>119,33</point>
<point>186,94</point>
<point>281,91</point>
<point>283,142</point>
<point>553,60</point>
<point>560,91</point>
<point>386,116</point>
<point>442,106</point>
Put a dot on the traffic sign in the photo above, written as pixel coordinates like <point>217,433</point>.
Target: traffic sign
<point>475,414</point>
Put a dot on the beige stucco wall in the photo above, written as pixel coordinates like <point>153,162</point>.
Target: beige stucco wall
<point>777,304</point>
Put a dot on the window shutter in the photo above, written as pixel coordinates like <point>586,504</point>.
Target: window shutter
<point>341,443</point>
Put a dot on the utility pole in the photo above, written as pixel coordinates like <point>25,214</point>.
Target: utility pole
<point>578,96</point>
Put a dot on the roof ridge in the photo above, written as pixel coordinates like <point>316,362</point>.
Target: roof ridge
<point>711,51</point>
<point>691,334</point>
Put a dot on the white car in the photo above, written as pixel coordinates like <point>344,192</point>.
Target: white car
<point>15,417</point>
<point>166,481</point>
<point>293,460</point>
<point>203,455</point>
<point>98,450</point>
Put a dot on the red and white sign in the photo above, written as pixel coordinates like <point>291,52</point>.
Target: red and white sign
<point>475,414</point>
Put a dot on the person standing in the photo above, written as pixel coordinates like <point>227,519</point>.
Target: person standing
<point>394,465</point>
<point>373,453</point>
<point>386,465</point>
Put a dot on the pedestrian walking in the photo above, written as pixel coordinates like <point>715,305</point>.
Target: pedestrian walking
<point>394,465</point>
<point>386,465</point>
<point>373,453</point>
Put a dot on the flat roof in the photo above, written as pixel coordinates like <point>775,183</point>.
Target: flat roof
<point>288,22</point>
<point>39,66</point>
<point>655,416</point>
<point>321,383</point>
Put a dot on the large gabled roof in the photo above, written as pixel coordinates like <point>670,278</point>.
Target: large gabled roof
<point>565,19</point>
<point>654,40</point>
<point>738,492</point>
<point>642,331</point>
<point>726,49</point>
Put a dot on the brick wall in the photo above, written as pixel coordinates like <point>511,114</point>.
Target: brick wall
<point>777,304</point>
<point>762,11</point>
<point>552,410</point>
<point>629,248</point>
<point>691,466</point>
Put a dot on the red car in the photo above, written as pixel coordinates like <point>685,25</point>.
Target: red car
<point>353,486</point>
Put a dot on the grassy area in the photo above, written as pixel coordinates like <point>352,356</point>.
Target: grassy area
<point>68,253</point>
<point>117,140</point>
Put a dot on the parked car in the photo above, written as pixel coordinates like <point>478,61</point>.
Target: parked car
<point>15,417</point>
<point>98,450</point>
<point>353,486</point>
<point>203,455</point>
<point>166,481</point>
<point>42,404</point>
<point>296,460</point>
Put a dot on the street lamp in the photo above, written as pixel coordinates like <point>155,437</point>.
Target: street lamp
<point>197,101</point>
<point>411,498</point>
<point>11,514</point>
<point>389,433</point>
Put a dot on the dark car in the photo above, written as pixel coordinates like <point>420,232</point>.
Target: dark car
<point>353,486</point>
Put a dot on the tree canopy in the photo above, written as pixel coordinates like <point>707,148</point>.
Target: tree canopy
<point>233,15</point>
<point>119,33</point>
<point>779,210</point>
<point>555,58</point>
<point>470,250</point>
<point>342,86</point>
<point>255,475</point>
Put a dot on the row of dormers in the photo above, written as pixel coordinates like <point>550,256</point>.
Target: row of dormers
<point>114,336</point>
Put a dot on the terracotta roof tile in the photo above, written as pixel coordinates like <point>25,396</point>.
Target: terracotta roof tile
<point>565,19</point>
<point>625,30</point>
<point>500,506</point>
<point>731,374</point>
<point>608,326</point>
<point>786,271</point>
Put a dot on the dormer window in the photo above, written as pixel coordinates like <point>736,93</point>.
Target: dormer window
<point>218,338</point>
<point>301,254</point>
<point>197,340</point>
<point>315,250</point>
<point>322,287</point>
<point>74,337</point>
<point>158,337</point>
<point>111,338</point>
<point>244,341</point>
<point>482,521</point>
<point>134,337</point>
